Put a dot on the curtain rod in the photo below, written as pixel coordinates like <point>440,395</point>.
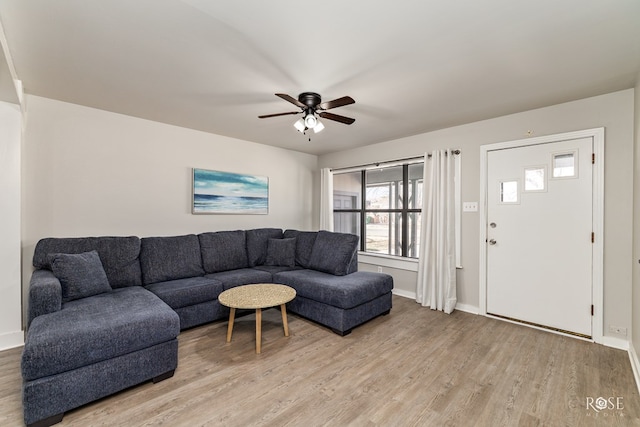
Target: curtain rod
<point>408,159</point>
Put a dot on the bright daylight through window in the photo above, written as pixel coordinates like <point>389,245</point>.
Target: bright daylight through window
<point>388,217</point>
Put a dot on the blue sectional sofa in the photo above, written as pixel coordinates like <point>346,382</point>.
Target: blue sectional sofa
<point>105,312</point>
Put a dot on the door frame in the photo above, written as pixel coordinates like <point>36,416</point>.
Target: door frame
<point>597,320</point>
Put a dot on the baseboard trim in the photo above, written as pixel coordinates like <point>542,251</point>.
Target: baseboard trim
<point>404,294</point>
<point>467,308</point>
<point>11,340</point>
<point>614,342</point>
<point>635,364</point>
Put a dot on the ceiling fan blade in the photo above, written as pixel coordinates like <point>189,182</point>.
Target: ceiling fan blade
<point>337,118</point>
<point>345,100</point>
<point>266,116</point>
<point>291,99</point>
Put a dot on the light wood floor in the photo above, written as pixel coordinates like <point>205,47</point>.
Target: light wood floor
<point>414,367</point>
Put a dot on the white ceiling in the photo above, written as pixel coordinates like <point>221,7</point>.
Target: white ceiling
<point>412,66</point>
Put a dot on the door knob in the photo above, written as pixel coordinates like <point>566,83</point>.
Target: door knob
<point>492,242</point>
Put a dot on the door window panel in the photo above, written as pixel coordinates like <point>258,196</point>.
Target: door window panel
<point>509,192</point>
<point>535,178</point>
<point>565,165</point>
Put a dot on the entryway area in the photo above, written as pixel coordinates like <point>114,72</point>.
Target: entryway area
<point>541,232</point>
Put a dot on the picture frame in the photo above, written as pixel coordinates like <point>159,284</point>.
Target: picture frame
<point>219,192</point>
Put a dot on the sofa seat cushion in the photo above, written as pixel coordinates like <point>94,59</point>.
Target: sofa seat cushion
<point>170,258</point>
<point>96,328</point>
<point>223,250</point>
<point>243,276</point>
<point>184,292</point>
<point>119,255</point>
<point>339,291</point>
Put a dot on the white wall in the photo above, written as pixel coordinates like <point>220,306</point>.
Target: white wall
<point>10,296</point>
<point>613,111</point>
<point>89,172</point>
<point>635,261</point>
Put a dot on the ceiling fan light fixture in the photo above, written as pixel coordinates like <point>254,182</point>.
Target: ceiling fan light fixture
<point>311,103</point>
<point>310,121</point>
<point>299,124</point>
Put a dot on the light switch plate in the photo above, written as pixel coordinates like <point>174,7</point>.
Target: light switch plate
<point>469,206</point>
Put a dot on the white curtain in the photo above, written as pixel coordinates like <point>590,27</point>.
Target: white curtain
<point>437,264</point>
<point>326,199</point>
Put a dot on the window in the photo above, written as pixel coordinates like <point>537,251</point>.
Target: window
<point>565,165</point>
<point>347,201</point>
<point>383,206</point>
<point>535,178</point>
<point>509,192</point>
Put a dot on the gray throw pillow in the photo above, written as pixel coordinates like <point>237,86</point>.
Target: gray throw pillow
<point>281,252</point>
<point>80,275</point>
<point>257,241</point>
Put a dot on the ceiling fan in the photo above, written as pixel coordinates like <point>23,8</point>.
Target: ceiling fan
<point>311,103</point>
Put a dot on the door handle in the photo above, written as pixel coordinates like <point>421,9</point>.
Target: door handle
<point>492,242</point>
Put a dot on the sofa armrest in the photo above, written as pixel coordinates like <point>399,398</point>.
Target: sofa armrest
<point>45,294</point>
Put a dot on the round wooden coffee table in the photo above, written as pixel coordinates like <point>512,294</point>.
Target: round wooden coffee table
<point>257,296</point>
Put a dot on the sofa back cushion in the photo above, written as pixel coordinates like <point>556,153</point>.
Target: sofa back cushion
<point>257,241</point>
<point>304,245</point>
<point>119,256</point>
<point>170,258</point>
<point>334,252</point>
<point>223,251</point>
<point>80,275</point>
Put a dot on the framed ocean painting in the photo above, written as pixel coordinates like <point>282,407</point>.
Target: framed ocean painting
<point>216,192</point>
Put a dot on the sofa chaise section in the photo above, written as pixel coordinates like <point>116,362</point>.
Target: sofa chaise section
<point>338,302</point>
<point>329,289</point>
<point>82,347</point>
<point>95,347</point>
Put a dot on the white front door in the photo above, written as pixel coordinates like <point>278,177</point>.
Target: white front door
<point>539,234</point>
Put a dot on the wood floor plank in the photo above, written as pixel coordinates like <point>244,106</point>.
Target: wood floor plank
<point>413,367</point>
